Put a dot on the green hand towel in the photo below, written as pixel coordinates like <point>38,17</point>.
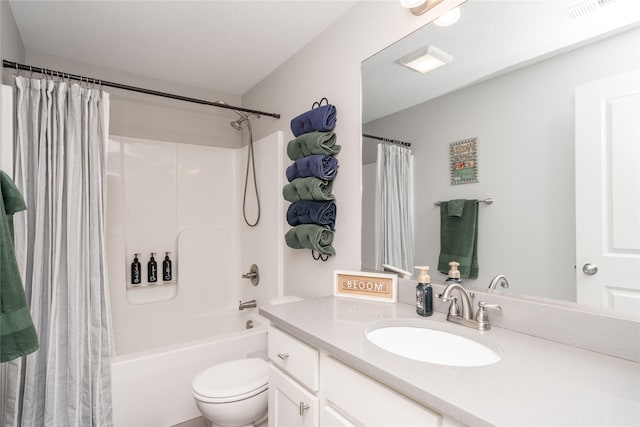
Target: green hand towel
<point>17,334</point>
<point>455,207</point>
<point>309,188</point>
<point>313,143</point>
<point>459,237</point>
<point>311,236</point>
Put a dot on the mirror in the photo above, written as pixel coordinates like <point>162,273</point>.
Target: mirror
<point>511,84</point>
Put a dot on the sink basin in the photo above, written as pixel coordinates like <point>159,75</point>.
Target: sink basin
<point>433,346</point>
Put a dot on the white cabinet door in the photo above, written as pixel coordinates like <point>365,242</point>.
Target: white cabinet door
<point>608,192</point>
<point>290,405</point>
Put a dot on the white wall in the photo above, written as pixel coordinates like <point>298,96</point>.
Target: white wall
<point>524,121</point>
<point>329,66</point>
<point>150,117</point>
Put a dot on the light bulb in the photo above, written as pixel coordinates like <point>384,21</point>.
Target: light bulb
<point>448,18</point>
<point>411,3</point>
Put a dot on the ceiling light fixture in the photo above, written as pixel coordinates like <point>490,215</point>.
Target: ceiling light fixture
<point>426,59</point>
<point>418,7</point>
<point>411,3</point>
<point>448,18</point>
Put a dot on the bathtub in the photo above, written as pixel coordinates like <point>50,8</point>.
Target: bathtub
<point>152,387</point>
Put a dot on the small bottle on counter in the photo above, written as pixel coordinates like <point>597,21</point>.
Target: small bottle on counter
<point>454,273</point>
<point>136,271</point>
<point>424,293</point>
<point>152,269</point>
<point>166,268</point>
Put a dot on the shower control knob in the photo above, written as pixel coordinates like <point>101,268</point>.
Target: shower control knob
<point>589,269</point>
<point>283,356</point>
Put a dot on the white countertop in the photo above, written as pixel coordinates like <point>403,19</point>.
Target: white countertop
<point>536,383</point>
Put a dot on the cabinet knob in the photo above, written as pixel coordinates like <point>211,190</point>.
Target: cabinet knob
<point>283,356</point>
<point>303,408</point>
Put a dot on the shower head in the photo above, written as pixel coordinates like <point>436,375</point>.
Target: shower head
<point>237,124</point>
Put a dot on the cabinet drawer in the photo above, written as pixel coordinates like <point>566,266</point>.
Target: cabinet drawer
<point>298,359</point>
<point>370,403</point>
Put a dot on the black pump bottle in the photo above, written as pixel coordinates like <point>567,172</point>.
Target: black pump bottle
<point>166,268</point>
<point>424,293</point>
<point>136,271</point>
<point>152,269</point>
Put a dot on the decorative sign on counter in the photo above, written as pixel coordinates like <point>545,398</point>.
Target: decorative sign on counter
<point>463,156</point>
<point>365,285</point>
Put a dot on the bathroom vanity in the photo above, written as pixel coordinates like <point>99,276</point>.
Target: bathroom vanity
<point>325,371</point>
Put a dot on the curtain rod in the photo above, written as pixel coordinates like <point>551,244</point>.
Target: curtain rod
<point>392,141</point>
<point>48,72</point>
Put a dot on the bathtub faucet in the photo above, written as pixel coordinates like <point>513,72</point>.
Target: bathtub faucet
<point>247,304</point>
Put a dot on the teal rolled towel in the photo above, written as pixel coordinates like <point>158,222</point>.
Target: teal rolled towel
<point>17,334</point>
<point>313,143</point>
<point>309,188</point>
<point>311,236</point>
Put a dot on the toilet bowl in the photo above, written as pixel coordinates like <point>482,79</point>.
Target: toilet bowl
<point>233,394</point>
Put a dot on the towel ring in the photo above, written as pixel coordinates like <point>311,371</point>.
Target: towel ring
<point>319,103</point>
<point>319,256</point>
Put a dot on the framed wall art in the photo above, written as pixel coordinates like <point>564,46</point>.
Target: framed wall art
<point>463,157</point>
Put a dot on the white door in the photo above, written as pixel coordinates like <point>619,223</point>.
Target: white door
<point>608,193</point>
<point>290,405</point>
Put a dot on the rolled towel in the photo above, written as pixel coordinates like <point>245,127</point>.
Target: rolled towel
<point>321,119</point>
<point>318,165</point>
<point>313,143</point>
<point>312,212</point>
<point>308,189</point>
<point>311,236</point>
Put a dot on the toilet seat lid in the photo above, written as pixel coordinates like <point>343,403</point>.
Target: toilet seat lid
<point>230,379</point>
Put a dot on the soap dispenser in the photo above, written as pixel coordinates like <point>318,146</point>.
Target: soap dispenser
<point>152,269</point>
<point>454,273</point>
<point>166,268</point>
<point>424,293</point>
<point>136,271</point>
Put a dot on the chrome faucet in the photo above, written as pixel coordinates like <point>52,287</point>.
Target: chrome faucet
<point>466,317</point>
<point>247,304</point>
<point>501,280</point>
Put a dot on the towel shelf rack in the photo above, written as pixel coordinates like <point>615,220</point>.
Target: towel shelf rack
<point>486,201</point>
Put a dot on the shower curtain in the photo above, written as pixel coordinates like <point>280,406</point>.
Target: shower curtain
<point>60,158</point>
<point>394,207</point>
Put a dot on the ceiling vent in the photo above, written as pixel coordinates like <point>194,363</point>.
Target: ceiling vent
<point>587,7</point>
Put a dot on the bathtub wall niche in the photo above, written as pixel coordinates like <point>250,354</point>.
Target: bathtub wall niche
<point>187,200</point>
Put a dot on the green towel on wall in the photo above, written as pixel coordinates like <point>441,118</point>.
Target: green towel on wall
<point>309,188</point>
<point>313,143</point>
<point>459,236</point>
<point>17,334</point>
<point>311,236</point>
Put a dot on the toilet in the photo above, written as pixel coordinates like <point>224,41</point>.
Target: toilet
<point>233,394</point>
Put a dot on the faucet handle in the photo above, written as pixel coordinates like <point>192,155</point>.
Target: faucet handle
<point>483,304</point>
<point>482,317</point>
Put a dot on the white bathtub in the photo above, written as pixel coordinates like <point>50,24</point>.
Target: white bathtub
<point>153,387</point>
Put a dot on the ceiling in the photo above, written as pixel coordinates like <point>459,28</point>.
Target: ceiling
<point>223,46</point>
<point>491,37</point>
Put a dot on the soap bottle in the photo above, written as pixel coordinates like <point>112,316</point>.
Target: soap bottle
<point>136,271</point>
<point>166,268</point>
<point>454,273</point>
<point>152,269</point>
<point>424,293</point>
